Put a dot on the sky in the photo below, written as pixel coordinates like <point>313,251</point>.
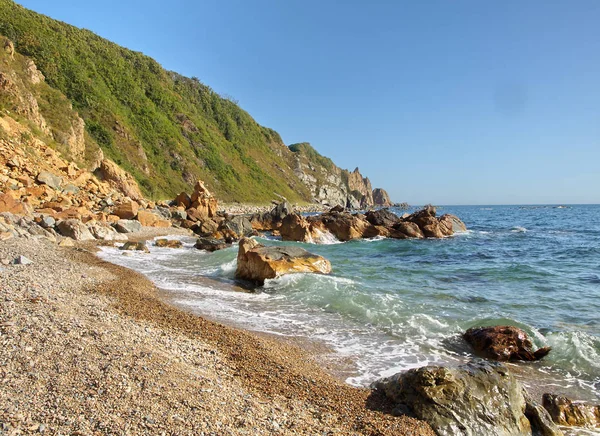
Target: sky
<point>443,102</point>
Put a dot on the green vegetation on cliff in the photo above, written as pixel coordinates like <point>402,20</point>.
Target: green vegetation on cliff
<point>165,129</point>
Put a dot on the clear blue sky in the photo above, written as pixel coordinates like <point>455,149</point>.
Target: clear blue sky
<point>448,102</point>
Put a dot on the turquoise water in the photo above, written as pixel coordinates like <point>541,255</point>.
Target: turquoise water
<point>391,305</point>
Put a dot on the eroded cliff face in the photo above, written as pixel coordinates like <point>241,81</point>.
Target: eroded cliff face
<point>330,184</point>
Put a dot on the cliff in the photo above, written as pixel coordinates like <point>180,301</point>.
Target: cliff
<point>93,99</point>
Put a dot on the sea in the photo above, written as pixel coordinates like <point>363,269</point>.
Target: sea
<point>391,305</point>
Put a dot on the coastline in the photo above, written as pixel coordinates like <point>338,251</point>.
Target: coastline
<point>105,352</point>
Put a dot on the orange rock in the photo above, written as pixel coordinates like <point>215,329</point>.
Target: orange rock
<point>127,210</point>
<point>149,219</point>
<point>9,204</point>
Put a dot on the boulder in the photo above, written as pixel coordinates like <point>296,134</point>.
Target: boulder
<point>382,217</point>
<point>211,244</point>
<point>503,343</point>
<point>257,263</point>
<point>478,398</point>
<point>381,197</point>
<point>168,243</point>
<point>451,224</point>
<point>128,226</point>
<point>571,413</point>
<point>49,179</point>
<point>119,179</point>
<point>237,227</point>
<point>150,219</point>
<point>75,229</point>
<point>344,226</point>
<point>9,204</point>
<point>127,210</point>
<point>408,229</point>
<point>295,228</point>
<point>135,246</point>
<point>205,228</point>
<point>106,233</point>
<point>540,420</point>
<point>183,200</point>
<point>178,214</point>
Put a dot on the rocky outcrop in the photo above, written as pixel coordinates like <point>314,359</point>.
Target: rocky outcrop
<point>296,228</point>
<point>256,263</point>
<point>211,244</point>
<point>571,413</point>
<point>362,185</point>
<point>119,179</point>
<point>478,398</point>
<point>503,343</point>
<point>381,198</point>
<point>9,48</point>
<point>168,243</point>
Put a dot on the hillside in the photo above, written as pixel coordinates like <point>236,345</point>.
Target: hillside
<point>166,130</point>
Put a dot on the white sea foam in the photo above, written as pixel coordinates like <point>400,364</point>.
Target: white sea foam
<point>518,229</point>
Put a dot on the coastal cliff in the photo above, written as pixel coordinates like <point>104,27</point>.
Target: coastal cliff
<point>168,131</point>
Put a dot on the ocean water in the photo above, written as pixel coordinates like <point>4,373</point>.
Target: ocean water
<point>390,305</point>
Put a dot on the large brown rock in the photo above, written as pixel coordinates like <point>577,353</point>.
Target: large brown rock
<point>478,398</point>
<point>184,200</point>
<point>119,179</point>
<point>408,229</point>
<point>382,217</point>
<point>567,412</point>
<point>127,210</point>
<point>344,226</point>
<point>295,228</point>
<point>503,343</point>
<point>257,263</point>
<point>381,198</point>
<point>75,229</point>
<point>150,219</point>
<point>211,244</point>
<point>9,204</point>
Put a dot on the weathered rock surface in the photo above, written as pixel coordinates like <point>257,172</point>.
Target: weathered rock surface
<point>503,343</point>
<point>381,198</point>
<point>168,243</point>
<point>474,399</point>
<point>571,413</point>
<point>296,228</point>
<point>135,246</point>
<point>50,179</point>
<point>211,244</point>
<point>150,219</point>
<point>75,229</point>
<point>128,226</point>
<point>236,227</point>
<point>119,179</point>
<point>540,420</point>
<point>127,210</point>
<point>257,263</point>
<point>9,204</point>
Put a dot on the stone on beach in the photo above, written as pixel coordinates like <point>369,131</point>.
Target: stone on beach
<point>211,244</point>
<point>168,243</point>
<point>503,343</point>
<point>75,229</point>
<point>478,398</point>
<point>571,413</point>
<point>135,246</point>
<point>257,263</point>
<point>128,226</point>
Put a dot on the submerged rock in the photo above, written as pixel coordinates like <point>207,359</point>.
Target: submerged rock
<point>503,343</point>
<point>211,244</point>
<point>571,413</point>
<point>168,243</point>
<point>478,398</point>
<point>257,263</point>
<point>135,246</point>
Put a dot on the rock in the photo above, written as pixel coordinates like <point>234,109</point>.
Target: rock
<point>119,179</point>
<point>47,222</point>
<point>106,233</point>
<point>295,228</point>
<point>49,179</point>
<point>381,198</point>
<point>178,214</point>
<point>451,224</point>
<point>433,227</point>
<point>183,200</point>
<point>21,260</point>
<point>567,412</point>
<point>478,398</point>
<point>127,210</point>
<point>205,228</point>
<point>128,226</point>
<point>337,209</point>
<point>211,244</point>
<point>70,189</point>
<point>344,226</point>
<point>75,229</point>
<point>135,246</point>
<point>9,204</point>
<point>540,420</point>
<point>408,229</point>
<point>66,242</point>
<point>257,263</point>
<point>149,219</point>
<point>382,217</point>
<point>9,48</point>
<point>168,243</point>
<point>237,227</point>
<point>503,343</point>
